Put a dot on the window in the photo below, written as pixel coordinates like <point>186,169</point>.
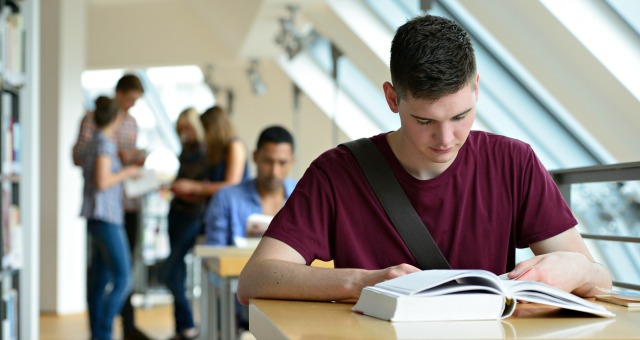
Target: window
<point>168,91</point>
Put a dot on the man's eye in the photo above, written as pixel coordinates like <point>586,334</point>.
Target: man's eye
<point>459,117</point>
<point>424,122</point>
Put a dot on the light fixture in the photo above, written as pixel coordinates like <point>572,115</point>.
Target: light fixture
<point>208,79</point>
<point>257,84</point>
<point>293,39</point>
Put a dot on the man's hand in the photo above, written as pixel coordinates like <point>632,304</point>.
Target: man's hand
<point>569,271</point>
<point>564,261</point>
<point>371,277</point>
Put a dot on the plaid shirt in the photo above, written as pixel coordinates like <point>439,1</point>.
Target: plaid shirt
<point>125,138</point>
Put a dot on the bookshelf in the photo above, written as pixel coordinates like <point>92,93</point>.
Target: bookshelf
<point>12,71</point>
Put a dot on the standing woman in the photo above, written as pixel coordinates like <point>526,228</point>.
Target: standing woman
<point>212,157</point>
<point>184,219</point>
<point>102,206</point>
<point>226,156</point>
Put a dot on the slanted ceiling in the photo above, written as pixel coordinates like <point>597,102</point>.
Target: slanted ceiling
<point>143,33</point>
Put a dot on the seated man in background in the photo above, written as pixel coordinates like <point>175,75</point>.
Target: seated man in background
<point>227,213</point>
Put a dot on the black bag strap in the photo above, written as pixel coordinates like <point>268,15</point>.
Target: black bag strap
<point>397,205</point>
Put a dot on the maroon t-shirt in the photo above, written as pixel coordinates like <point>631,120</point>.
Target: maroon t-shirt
<point>494,197</point>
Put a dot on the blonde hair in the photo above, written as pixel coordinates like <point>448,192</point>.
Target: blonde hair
<point>219,133</point>
<point>191,116</point>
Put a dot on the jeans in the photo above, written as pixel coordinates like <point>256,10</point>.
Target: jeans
<point>110,263</point>
<point>183,230</point>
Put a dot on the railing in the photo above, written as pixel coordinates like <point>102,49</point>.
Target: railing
<point>602,173</point>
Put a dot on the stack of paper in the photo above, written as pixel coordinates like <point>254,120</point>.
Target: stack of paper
<point>143,184</point>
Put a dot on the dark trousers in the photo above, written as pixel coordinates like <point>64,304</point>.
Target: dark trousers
<point>183,230</point>
<point>131,226</point>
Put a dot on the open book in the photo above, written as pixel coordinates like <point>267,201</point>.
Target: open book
<point>441,295</point>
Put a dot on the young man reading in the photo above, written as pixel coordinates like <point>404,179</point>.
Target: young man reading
<point>480,195</point>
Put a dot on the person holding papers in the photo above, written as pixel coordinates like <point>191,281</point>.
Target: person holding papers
<point>127,92</point>
<point>480,195</point>
<point>212,157</point>
<point>102,206</point>
<point>184,219</point>
<point>232,213</point>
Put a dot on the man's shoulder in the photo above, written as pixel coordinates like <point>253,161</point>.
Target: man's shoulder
<point>289,185</point>
<point>129,118</point>
<point>341,155</point>
<point>87,121</point>
<point>483,138</point>
<point>290,181</point>
<point>241,188</point>
<point>128,123</point>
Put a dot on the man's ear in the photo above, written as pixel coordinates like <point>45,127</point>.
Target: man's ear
<point>477,85</point>
<point>391,96</point>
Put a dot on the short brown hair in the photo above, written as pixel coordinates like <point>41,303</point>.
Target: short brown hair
<point>431,57</point>
<point>129,82</point>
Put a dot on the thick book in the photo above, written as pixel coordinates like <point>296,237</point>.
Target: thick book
<point>448,295</point>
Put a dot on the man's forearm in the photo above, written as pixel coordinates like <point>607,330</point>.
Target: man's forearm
<point>277,279</point>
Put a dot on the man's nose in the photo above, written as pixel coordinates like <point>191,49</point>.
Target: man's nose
<point>444,134</point>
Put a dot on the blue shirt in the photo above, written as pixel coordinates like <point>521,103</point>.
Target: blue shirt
<point>227,212</point>
<point>104,205</point>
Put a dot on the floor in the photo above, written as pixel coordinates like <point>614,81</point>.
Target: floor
<point>155,320</point>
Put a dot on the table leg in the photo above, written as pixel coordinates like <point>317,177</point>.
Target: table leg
<point>204,304</point>
<point>215,295</point>
<point>226,310</point>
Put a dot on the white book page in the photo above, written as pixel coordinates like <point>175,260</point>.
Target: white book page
<point>538,292</point>
<point>421,281</point>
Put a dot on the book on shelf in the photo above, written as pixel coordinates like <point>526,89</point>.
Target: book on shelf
<point>10,322</point>
<point>447,295</point>
<point>16,134</point>
<point>14,48</point>
<point>6,133</point>
<point>6,235</point>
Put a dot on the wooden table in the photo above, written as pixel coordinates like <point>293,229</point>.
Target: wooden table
<point>219,282</point>
<point>283,319</point>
